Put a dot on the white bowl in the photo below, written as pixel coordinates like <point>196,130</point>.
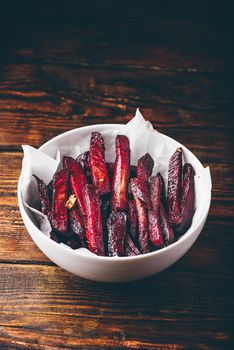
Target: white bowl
<point>111,269</point>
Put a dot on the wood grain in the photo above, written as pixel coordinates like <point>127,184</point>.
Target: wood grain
<point>163,45</point>
<point>43,101</point>
<point>36,307</point>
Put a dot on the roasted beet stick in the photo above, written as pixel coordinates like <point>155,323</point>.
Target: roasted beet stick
<point>119,200</point>
<point>155,230</point>
<point>44,196</point>
<point>130,247</point>
<point>77,224</point>
<point>132,220</point>
<point>168,234</point>
<point>144,167</point>
<point>141,190</point>
<point>187,199</point>
<point>142,217</point>
<point>105,212</point>
<point>59,213</point>
<point>93,220</point>
<point>174,188</point>
<point>78,181</point>
<point>98,167</point>
<point>116,225</point>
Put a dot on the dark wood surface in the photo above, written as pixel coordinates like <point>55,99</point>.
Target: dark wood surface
<point>65,66</point>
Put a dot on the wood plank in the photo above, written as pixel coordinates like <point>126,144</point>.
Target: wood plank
<point>59,309</point>
<point>43,101</point>
<point>166,44</point>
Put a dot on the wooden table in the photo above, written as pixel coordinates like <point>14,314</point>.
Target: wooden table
<point>62,67</point>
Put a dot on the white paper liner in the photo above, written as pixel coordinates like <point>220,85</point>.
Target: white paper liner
<point>140,133</point>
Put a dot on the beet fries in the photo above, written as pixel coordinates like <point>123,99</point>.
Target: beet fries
<point>130,247</point>
<point>144,167</point>
<point>44,196</point>
<point>155,229</point>
<point>142,216</point>
<point>77,225</point>
<point>97,163</point>
<point>187,199</point>
<point>119,200</point>
<point>78,181</point>
<point>132,220</point>
<point>174,188</point>
<point>118,209</point>
<point>59,212</point>
<point>93,220</point>
<point>116,225</point>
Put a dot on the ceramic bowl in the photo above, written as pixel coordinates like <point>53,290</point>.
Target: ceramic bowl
<point>113,269</point>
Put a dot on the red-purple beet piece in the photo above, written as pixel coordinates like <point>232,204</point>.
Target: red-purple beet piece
<point>155,192</point>
<point>116,224</point>
<point>174,188</point>
<point>142,225</point>
<point>83,160</point>
<point>141,190</point>
<point>130,247</point>
<point>77,180</point>
<point>97,163</point>
<point>77,224</point>
<point>105,212</point>
<point>110,169</point>
<point>132,220</point>
<point>59,213</point>
<point>44,196</point>
<point>144,167</point>
<point>119,200</point>
<point>187,199</point>
<point>155,230</point>
<point>168,234</point>
<point>163,191</point>
<point>93,220</point>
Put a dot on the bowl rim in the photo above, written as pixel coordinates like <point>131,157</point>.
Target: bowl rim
<point>90,255</point>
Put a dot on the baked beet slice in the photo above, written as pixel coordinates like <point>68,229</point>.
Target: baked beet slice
<point>144,167</point>
<point>93,220</point>
<point>77,181</point>
<point>97,163</point>
<point>174,188</point>
<point>119,200</point>
<point>59,213</point>
<point>187,199</point>
<point>116,225</point>
<point>44,196</point>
